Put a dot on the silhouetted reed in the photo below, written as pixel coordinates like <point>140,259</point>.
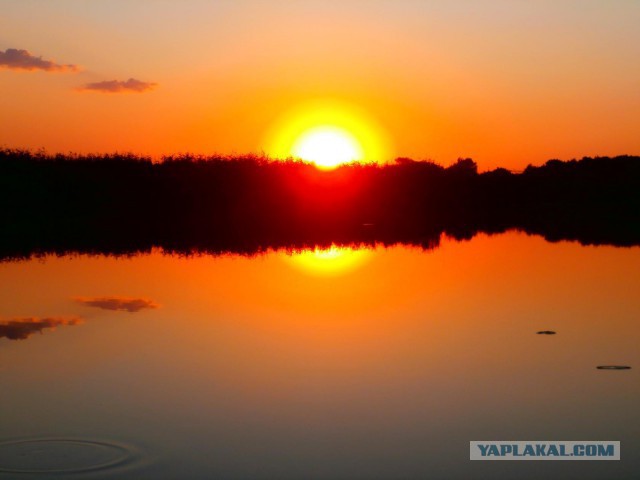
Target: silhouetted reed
<point>123,204</point>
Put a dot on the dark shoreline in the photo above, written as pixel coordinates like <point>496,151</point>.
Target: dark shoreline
<point>120,205</point>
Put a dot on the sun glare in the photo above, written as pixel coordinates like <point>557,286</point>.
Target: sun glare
<point>328,133</point>
<point>327,147</point>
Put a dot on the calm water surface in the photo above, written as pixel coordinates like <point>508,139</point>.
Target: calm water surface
<point>332,365</point>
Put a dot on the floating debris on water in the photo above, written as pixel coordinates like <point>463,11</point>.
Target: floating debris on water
<point>613,367</point>
<point>546,332</point>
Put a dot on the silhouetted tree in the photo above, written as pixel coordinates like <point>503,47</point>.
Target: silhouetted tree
<point>123,203</point>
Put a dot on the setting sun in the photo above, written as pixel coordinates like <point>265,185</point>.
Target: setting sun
<point>327,147</point>
<point>319,239</point>
<point>328,133</point>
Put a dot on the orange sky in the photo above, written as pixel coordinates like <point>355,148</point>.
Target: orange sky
<point>506,83</point>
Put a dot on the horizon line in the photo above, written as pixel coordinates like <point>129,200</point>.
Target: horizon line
<point>43,154</point>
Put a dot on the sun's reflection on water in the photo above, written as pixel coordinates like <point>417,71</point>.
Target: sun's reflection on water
<point>332,261</point>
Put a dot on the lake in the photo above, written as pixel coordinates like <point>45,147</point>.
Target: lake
<point>336,364</point>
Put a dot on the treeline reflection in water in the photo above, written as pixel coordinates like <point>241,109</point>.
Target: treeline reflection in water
<point>122,205</point>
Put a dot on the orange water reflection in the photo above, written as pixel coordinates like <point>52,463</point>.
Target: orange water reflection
<point>264,362</point>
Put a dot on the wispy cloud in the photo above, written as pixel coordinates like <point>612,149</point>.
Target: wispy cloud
<point>118,86</point>
<point>23,328</point>
<point>125,304</point>
<point>15,59</point>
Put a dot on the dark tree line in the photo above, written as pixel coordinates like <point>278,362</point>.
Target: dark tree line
<point>120,204</point>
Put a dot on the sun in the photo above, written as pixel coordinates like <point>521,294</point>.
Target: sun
<point>328,133</point>
<point>327,146</point>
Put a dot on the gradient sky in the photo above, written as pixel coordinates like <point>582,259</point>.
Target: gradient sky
<point>504,82</point>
